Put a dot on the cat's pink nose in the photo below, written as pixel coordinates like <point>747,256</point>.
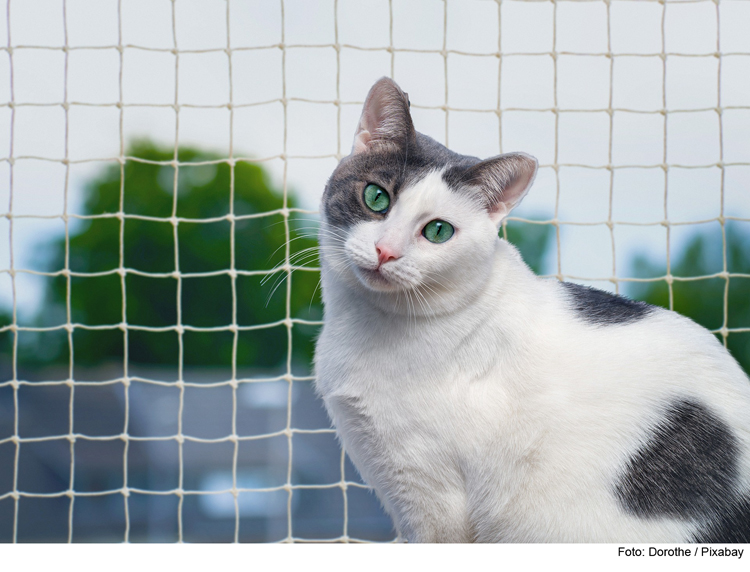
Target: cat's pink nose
<point>385,253</point>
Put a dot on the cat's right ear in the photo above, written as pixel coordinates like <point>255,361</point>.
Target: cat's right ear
<point>385,120</point>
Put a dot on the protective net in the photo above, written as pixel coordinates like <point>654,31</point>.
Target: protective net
<point>252,501</point>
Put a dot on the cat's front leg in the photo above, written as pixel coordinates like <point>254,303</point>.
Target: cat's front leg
<point>426,515</point>
<point>436,532</point>
<point>425,498</point>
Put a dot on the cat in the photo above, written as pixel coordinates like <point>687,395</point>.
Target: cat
<point>485,404</point>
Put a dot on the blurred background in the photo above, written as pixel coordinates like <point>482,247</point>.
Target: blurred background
<point>161,165</point>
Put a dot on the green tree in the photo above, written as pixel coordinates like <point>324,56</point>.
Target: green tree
<point>152,249</point>
<point>532,240</point>
<point>702,300</point>
<point>6,345</point>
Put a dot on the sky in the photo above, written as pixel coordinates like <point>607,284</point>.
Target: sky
<point>469,79</point>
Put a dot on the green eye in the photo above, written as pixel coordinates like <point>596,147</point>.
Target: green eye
<point>376,198</point>
<point>437,231</point>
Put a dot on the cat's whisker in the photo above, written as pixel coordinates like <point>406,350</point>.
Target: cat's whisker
<point>280,273</point>
<point>331,237</point>
<point>425,305</point>
<point>307,261</point>
<point>413,311</point>
<point>441,282</point>
<point>411,314</point>
<point>288,242</point>
<point>275,287</point>
<point>325,228</point>
<point>320,280</point>
<point>271,273</point>
<point>313,250</point>
<point>333,242</point>
<point>279,281</point>
<point>294,259</point>
<point>299,258</point>
<point>432,290</point>
<point>339,263</point>
<point>279,278</point>
<point>428,313</point>
<point>281,263</point>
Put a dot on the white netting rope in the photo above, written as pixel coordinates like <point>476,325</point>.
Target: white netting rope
<point>287,268</point>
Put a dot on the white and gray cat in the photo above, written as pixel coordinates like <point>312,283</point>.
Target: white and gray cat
<point>483,403</point>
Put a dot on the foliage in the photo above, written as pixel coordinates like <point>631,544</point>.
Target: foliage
<point>702,300</point>
<point>532,241</point>
<point>6,344</point>
<point>151,296</point>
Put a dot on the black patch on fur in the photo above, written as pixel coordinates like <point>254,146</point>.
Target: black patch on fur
<point>687,470</point>
<point>732,526</point>
<point>605,309</point>
<point>394,167</point>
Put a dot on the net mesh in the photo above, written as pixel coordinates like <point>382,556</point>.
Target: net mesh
<point>235,438</point>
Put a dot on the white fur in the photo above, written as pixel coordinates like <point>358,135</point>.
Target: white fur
<point>477,404</point>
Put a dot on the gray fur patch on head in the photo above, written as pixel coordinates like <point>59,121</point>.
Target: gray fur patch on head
<point>687,469</point>
<point>393,167</point>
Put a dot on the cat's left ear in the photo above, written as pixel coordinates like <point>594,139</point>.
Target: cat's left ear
<point>385,121</point>
<point>503,181</point>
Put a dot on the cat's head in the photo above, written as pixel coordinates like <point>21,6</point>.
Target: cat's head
<point>404,214</point>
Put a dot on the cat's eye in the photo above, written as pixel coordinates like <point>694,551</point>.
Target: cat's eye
<point>377,198</point>
<point>437,231</point>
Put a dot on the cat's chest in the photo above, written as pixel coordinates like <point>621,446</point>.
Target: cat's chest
<point>381,392</point>
<point>384,387</point>
<point>391,430</point>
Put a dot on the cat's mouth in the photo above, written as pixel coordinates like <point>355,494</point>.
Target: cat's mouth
<point>375,279</point>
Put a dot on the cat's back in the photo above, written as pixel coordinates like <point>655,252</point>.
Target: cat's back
<point>644,354</point>
<point>644,412</point>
